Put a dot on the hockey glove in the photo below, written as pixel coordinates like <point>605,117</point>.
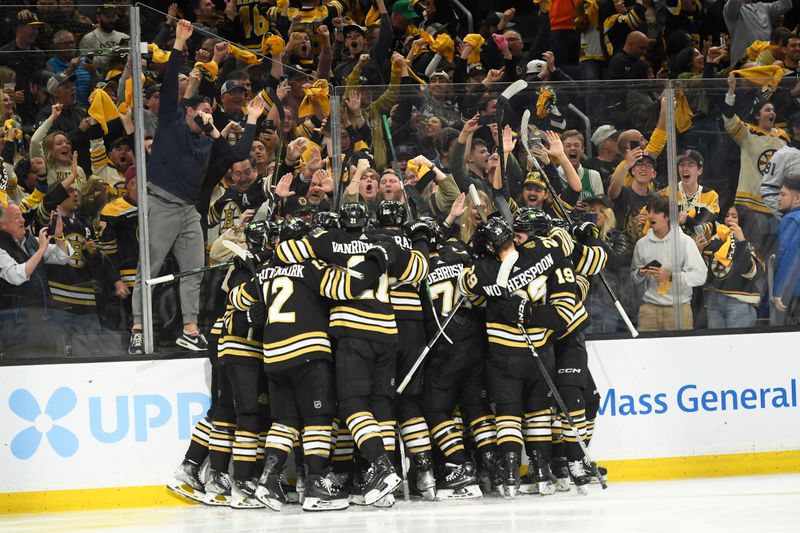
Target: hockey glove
<point>419,230</point>
<point>257,315</point>
<point>383,253</point>
<point>583,231</point>
<point>515,310</point>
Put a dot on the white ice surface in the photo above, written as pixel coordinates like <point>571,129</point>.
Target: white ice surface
<point>751,504</point>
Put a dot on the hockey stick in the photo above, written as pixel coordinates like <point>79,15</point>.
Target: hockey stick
<point>389,138</point>
<point>424,353</point>
<point>269,185</point>
<point>244,255</point>
<point>192,272</point>
<point>565,214</point>
<point>502,281</point>
<point>500,112</point>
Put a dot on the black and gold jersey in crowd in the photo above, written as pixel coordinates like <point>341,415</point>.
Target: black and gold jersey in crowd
<point>370,316</point>
<point>310,19</point>
<point>74,285</point>
<point>227,209</point>
<point>405,298</point>
<point>544,276</point>
<point>296,328</point>
<point>255,23</point>
<point>117,232</point>
<point>444,291</point>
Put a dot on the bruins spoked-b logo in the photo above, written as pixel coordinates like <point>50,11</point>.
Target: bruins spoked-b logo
<point>764,159</point>
<point>317,404</point>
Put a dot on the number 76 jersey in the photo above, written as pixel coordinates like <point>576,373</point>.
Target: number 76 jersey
<point>544,276</point>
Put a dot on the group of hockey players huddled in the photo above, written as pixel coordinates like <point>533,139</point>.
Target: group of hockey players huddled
<point>326,319</point>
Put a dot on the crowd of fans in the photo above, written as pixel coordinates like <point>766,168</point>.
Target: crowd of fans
<point>422,91</point>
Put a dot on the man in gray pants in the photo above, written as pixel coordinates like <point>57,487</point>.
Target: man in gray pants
<point>184,144</point>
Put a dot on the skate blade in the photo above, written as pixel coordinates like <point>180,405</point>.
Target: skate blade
<point>469,492</point>
<point>529,488</point>
<point>389,484</point>
<point>546,488</point>
<point>428,495</point>
<point>385,502</point>
<point>292,497</point>
<point>316,504</point>
<point>219,500</point>
<point>186,491</point>
<point>246,503</point>
<point>510,492</point>
<point>562,485</point>
<point>271,503</point>
<point>582,490</point>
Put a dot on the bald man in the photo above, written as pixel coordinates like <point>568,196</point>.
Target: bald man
<point>619,68</point>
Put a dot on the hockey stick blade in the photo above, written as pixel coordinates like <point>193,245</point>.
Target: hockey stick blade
<point>473,195</point>
<point>505,267</point>
<point>513,89</point>
<point>159,280</point>
<point>237,250</point>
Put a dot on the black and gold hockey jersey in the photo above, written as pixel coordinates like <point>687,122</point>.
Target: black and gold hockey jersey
<point>310,19</point>
<point>227,209</point>
<point>544,276</point>
<point>587,260</point>
<point>296,328</point>
<point>445,271</point>
<point>405,298</point>
<point>370,315</point>
<point>255,23</point>
<point>117,232</point>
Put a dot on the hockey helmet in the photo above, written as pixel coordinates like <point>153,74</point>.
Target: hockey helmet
<point>454,251</point>
<point>294,228</point>
<point>533,221</point>
<point>255,234</point>
<point>326,220</point>
<point>390,213</point>
<point>495,233</point>
<point>353,216</point>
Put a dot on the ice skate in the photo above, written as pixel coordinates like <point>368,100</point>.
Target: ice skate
<point>243,495</point>
<point>588,467</point>
<point>494,471</point>
<point>539,479</point>
<point>379,480</point>
<point>186,482</point>
<point>269,490</point>
<point>459,483</point>
<point>561,471</point>
<point>426,482</point>
<point>218,489</point>
<point>324,493</point>
<point>579,476</point>
<point>385,502</point>
<point>511,470</point>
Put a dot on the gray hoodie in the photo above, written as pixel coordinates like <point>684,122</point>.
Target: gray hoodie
<point>692,269</point>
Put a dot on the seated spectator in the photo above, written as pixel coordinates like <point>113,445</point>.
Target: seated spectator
<point>735,271</point>
<point>653,265</point>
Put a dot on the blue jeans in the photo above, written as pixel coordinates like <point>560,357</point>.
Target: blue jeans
<point>727,312</point>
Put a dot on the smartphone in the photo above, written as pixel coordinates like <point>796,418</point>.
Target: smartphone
<point>698,230</point>
<point>653,264</point>
<point>51,228</point>
<point>536,142</point>
<point>634,145</point>
<point>485,120</point>
<point>269,125</point>
<point>207,128</point>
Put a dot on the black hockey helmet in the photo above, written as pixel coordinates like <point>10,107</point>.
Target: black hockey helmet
<point>326,220</point>
<point>294,228</point>
<point>533,221</point>
<point>454,251</point>
<point>256,234</point>
<point>558,222</point>
<point>495,233</point>
<point>353,216</point>
<point>434,231</point>
<point>390,213</point>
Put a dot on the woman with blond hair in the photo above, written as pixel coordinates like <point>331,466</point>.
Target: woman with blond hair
<point>56,149</point>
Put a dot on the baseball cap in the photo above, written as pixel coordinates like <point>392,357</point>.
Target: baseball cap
<point>296,205</point>
<point>405,150</point>
<point>475,68</point>
<point>58,79</point>
<point>535,66</point>
<point>355,27</point>
<point>31,20</point>
<point>602,133</point>
<point>601,199</point>
<point>296,69</point>
<point>440,74</point>
<point>151,90</point>
<point>231,85</point>
<point>694,155</point>
<point>106,7</point>
<point>41,77</point>
<point>648,158</point>
<point>404,7</point>
<point>535,177</point>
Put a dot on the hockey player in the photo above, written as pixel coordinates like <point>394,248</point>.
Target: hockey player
<point>543,301</point>
<point>405,299</point>
<point>298,360</point>
<point>366,333</point>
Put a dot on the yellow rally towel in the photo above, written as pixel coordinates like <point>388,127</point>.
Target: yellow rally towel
<point>373,17</point>
<point>305,157</point>
<point>102,108</point>
<point>128,103</point>
<point>724,233</point>
<point>210,70</point>
<point>476,41</point>
<point>316,93</point>
<point>419,170</point>
<point>756,48</point>
<point>544,101</point>
<point>683,113</point>
<point>8,125</point>
<point>159,55</point>
<point>411,73</point>
<point>768,76</point>
<point>591,9</point>
<point>245,56</point>
<point>444,45</point>
<point>418,48</point>
<point>272,45</point>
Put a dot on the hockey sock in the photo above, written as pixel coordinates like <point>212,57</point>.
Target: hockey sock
<point>366,434</point>
<point>388,435</point>
<point>317,444</point>
<point>198,446</point>
<point>220,445</point>
<point>592,405</point>
<point>573,398</point>
<point>484,431</point>
<point>415,435</point>
<point>343,449</point>
<point>280,440</point>
<point>245,452</point>
<point>450,441</point>
<point>262,441</point>
<point>509,434</point>
<point>536,429</point>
